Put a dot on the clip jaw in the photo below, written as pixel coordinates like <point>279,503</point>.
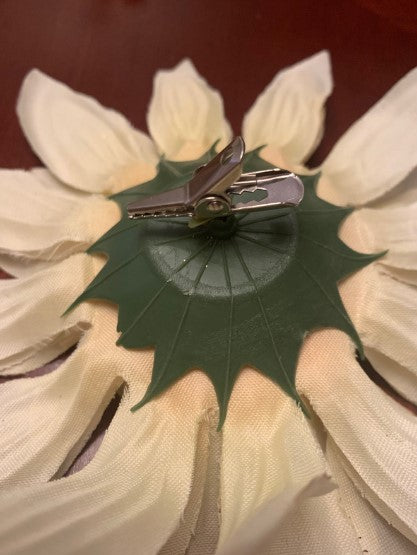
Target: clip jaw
<point>209,193</point>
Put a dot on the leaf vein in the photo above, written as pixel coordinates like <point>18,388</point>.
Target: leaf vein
<point>265,318</point>
<point>180,267</point>
<point>203,267</point>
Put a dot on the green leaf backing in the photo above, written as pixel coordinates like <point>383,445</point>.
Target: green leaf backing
<point>221,301</point>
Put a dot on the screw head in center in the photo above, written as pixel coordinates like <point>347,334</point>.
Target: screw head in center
<point>215,206</point>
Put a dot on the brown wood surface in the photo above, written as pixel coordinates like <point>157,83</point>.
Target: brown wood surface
<point>112,48</point>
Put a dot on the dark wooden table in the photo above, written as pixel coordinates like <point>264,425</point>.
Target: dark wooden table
<point>112,48</point>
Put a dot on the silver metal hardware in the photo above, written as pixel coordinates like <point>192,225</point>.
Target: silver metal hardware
<point>215,188</point>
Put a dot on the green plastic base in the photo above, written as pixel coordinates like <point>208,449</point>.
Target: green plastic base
<point>235,292</point>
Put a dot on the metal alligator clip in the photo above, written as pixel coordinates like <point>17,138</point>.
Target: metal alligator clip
<point>215,188</point>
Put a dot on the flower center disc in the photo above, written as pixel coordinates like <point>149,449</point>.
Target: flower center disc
<point>226,256</point>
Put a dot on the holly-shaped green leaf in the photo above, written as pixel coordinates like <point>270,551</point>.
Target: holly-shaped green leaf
<point>238,292</point>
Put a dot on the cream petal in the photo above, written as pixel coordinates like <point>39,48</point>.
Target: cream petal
<point>267,447</point>
<point>289,114</point>
<point>403,380</point>
<point>386,511</point>
<point>133,494</point>
<point>401,196</point>
<point>394,229</point>
<point>46,420</point>
<point>388,320</point>
<point>42,219</point>
<point>21,267</point>
<point>375,534</point>
<point>185,111</point>
<point>319,525</point>
<point>131,504</point>
<point>84,144</point>
<point>32,328</point>
<point>197,531</point>
<point>295,513</point>
<point>380,149</point>
<point>405,276</point>
<point>377,436</point>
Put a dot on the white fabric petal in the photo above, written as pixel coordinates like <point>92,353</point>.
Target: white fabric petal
<point>388,320</point>
<point>299,521</point>
<point>394,229</point>
<point>32,328</point>
<point>380,149</point>
<point>197,531</point>
<point>289,114</point>
<point>318,526</point>
<point>184,110</point>
<point>267,447</point>
<point>401,196</point>
<point>375,534</point>
<point>46,420</point>
<point>132,503</point>
<point>132,495</point>
<point>84,144</point>
<point>403,380</point>
<point>21,267</point>
<point>405,276</point>
<point>377,436</point>
<point>42,219</point>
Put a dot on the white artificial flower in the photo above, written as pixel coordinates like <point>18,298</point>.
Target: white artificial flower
<point>163,480</point>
